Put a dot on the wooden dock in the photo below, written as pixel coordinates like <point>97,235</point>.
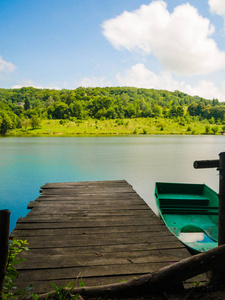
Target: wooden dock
<point>94,232</point>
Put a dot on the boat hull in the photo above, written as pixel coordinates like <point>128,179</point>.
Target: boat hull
<point>190,211</point>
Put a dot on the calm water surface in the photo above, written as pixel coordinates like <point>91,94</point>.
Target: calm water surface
<point>28,163</point>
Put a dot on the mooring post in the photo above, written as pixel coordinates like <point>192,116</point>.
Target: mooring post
<point>220,165</point>
<point>218,274</point>
<point>221,195</point>
<point>4,244</point>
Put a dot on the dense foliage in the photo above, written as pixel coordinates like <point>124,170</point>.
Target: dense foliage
<point>18,106</point>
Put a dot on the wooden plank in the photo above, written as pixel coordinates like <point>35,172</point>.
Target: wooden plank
<point>51,224</point>
<point>87,230</point>
<point>88,196</point>
<point>99,239</point>
<point>93,213</point>
<point>72,273</point>
<point>174,246</point>
<point>86,183</point>
<point>102,231</point>
<point>85,189</point>
<point>76,200</point>
<point>148,253</point>
<point>86,241</point>
<point>140,220</point>
<point>98,259</point>
<point>95,204</point>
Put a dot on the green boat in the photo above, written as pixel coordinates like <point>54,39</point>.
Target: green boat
<point>190,211</point>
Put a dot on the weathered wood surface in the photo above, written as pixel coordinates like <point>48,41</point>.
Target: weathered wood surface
<point>167,278</point>
<point>102,232</point>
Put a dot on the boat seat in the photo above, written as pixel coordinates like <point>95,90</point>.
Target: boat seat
<point>183,201</point>
<point>197,210</point>
<point>181,196</point>
<point>186,204</point>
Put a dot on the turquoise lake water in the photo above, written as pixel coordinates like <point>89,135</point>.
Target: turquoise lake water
<point>28,163</point>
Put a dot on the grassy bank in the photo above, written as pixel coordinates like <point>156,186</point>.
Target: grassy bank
<point>117,127</point>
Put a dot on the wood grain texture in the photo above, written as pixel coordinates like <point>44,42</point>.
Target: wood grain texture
<point>100,231</point>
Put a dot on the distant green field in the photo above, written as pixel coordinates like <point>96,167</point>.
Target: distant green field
<point>88,127</point>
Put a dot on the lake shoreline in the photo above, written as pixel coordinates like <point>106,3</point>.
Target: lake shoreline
<point>119,127</point>
<point>98,135</point>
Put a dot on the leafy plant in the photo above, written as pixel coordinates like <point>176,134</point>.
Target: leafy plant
<point>16,246</point>
<point>62,293</point>
<point>122,280</point>
<point>35,296</point>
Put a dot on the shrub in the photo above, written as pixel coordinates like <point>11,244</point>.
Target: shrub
<point>189,129</point>
<point>212,120</point>
<point>207,129</point>
<point>215,129</point>
<point>161,126</point>
<point>145,131</point>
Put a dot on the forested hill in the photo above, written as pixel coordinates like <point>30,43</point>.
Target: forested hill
<point>17,106</point>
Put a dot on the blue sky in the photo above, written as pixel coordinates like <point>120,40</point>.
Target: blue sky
<point>170,44</point>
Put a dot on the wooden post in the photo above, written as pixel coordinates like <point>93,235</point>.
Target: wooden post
<point>221,225</point>
<point>4,244</point>
<point>220,165</point>
<point>204,164</point>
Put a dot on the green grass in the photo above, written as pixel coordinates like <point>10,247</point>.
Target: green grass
<point>153,126</point>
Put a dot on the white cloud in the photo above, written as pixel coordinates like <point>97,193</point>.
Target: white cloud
<point>141,77</point>
<point>93,82</point>
<point>180,40</point>
<point>30,83</point>
<point>217,7</point>
<point>205,89</point>
<point>6,66</point>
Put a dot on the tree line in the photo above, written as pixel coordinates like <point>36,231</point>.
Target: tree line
<point>28,105</point>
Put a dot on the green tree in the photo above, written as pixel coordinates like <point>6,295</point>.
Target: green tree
<point>35,121</point>
<point>25,123</point>
<point>50,101</point>
<point>180,111</point>
<point>61,111</point>
<point>165,111</point>
<point>215,129</point>
<point>207,129</point>
<point>110,113</point>
<point>27,104</point>
<point>78,110</point>
<point>176,111</point>
<point>157,110</point>
<point>192,109</point>
<point>5,122</point>
<point>173,111</point>
<point>200,109</point>
<point>130,111</point>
